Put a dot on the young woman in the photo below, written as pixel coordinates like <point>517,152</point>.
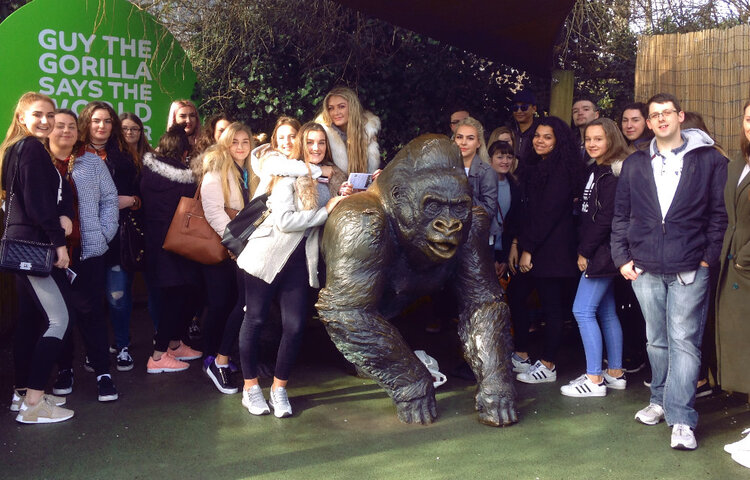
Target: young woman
<point>543,255</point>
<point>469,137</point>
<point>164,179</point>
<point>94,225</point>
<point>634,127</point>
<point>595,299</point>
<point>504,134</point>
<point>212,130</point>
<point>352,132</point>
<point>135,136</point>
<point>277,151</point>
<point>504,163</point>
<point>100,132</point>
<point>281,258</point>
<point>38,211</point>
<point>185,113</point>
<point>228,183</point>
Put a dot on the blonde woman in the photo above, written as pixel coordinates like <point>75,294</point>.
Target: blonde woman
<point>228,184</point>
<point>184,112</point>
<point>352,131</point>
<point>35,190</point>
<point>281,258</point>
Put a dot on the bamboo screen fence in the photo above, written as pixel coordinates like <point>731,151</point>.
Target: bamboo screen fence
<point>708,71</point>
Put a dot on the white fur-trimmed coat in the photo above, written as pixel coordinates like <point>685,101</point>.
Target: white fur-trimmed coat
<point>274,241</point>
<point>267,162</point>
<point>338,147</point>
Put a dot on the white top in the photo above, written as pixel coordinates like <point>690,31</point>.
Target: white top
<point>744,173</point>
<point>667,168</point>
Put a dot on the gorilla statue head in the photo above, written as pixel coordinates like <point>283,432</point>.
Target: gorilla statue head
<point>426,191</point>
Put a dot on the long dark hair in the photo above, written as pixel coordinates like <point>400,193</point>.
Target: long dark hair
<point>744,142</point>
<point>116,146</point>
<point>142,147</point>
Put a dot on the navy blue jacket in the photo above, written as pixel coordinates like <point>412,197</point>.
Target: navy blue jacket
<point>693,228</point>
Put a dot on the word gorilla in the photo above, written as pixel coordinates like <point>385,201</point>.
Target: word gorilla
<point>413,232</point>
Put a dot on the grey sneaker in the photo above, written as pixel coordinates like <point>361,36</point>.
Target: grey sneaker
<point>43,412</point>
<point>683,437</point>
<point>520,365</point>
<point>650,415</point>
<point>254,401</point>
<point>18,397</point>
<point>124,360</point>
<point>279,400</point>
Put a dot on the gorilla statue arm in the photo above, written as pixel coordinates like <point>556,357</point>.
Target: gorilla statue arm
<point>359,231</point>
<point>483,326</point>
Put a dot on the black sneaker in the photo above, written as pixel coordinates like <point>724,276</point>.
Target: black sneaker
<point>220,377</point>
<point>64,383</point>
<point>704,390</point>
<point>124,360</point>
<point>106,389</point>
<point>87,365</point>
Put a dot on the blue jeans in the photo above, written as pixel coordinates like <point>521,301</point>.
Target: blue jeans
<point>120,300</point>
<point>675,316</point>
<point>596,298</point>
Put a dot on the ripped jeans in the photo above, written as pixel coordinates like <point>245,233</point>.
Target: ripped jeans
<point>120,300</point>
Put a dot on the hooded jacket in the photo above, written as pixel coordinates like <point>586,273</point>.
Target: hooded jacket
<point>692,229</point>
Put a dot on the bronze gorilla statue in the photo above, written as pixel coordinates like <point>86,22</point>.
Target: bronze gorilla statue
<point>411,233</point>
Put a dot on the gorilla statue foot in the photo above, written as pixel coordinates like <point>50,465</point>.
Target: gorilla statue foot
<point>496,410</point>
<point>422,410</point>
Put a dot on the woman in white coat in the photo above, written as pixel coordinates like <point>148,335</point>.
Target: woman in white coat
<point>281,258</point>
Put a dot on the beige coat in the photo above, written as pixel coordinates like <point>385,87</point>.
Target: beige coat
<point>212,199</point>
<point>733,295</point>
<point>271,245</point>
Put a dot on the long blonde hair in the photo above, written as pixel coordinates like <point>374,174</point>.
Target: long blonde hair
<point>217,158</point>
<point>17,130</point>
<point>356,136</point>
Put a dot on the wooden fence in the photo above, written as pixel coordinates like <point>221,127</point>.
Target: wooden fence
<point>708,71</point>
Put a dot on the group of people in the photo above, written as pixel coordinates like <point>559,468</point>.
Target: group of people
<point>609,221</point>
<point>572,210</point>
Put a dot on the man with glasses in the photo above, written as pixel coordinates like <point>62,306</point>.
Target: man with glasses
<point>523,110</point>
<point>667,230</point>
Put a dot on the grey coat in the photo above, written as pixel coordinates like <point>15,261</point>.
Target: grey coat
<point>271,245</point>
<point>98,208</point>
<point>483,184</point>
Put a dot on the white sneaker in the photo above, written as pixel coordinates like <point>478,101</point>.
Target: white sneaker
<point>538,373</point>
<point>520,365</point>
<point>254,401</point>
<point>618,383</point>
<point>683,437</point>
<point>279,400</point>
<point>732,448</point>
<point>650,415</point>
<point>584,387</point>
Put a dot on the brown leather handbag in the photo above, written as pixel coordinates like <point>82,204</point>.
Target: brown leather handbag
<point>191,236</point>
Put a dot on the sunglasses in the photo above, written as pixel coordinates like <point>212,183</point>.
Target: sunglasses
<point>519,106</point>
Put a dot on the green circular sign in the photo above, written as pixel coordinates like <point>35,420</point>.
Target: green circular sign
<point>78,51</point>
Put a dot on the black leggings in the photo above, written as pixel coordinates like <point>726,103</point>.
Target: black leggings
<point>553,298</point>
<point>236,316</point>
<point>43,309</point>
<point>176,308</point>
<point>221,297</point>
<point>293,290</point>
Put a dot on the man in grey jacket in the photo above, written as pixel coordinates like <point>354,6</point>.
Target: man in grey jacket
<point>667,229</point>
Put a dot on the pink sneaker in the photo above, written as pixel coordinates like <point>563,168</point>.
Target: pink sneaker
<point>167,363</point>
<point>184,352</point>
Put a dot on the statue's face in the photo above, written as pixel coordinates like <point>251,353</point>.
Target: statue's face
<point>433,215</point>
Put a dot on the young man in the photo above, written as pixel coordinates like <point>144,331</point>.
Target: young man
<point>523,109</point>
<point>456,117</point>
<point>668,228</point>
<point>584,111</point>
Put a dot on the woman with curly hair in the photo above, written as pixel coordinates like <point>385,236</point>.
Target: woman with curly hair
<point>543,255</point>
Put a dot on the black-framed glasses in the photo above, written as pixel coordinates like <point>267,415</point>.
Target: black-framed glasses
<point>519,106</point>
<point>131,129</point>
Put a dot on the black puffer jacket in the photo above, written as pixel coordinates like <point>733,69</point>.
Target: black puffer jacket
<point>597,211</point>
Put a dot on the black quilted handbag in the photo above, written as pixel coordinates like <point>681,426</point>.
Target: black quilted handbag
<point>24,256</point>
<point>244,224</point>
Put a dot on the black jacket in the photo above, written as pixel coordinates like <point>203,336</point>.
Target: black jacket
<point>163,182</point>
<point>546,228</point>
<point>39,195</point>
<point>693,228</point>
<point>597,211</point>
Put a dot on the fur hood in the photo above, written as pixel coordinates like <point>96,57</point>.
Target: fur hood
<point>338,147</point>
<point>617,167</point>
<point>165,168</point>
